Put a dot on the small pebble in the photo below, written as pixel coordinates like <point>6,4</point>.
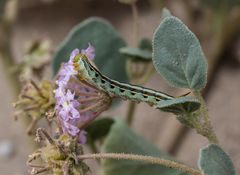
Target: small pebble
<point>6,149</point>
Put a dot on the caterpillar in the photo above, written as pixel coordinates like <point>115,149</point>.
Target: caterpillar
<point>88,72</point>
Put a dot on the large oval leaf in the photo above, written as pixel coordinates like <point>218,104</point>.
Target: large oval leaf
<point>214,161</point>
<point>123,140</point>
<point>106,41</point>
<point>177,55</point>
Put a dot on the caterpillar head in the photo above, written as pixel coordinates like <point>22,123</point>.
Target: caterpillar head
<point>80,65</point>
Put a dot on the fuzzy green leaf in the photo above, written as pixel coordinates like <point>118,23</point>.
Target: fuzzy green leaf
<point>121,139</point>
<point>214,161</point>
<point>142,53</point>
<point>145,44</point>
<point>136,53</point>
<point>177,55</point>
<point>165,13</point>
<point>106,41</point>
<point>99,128</point>
<point>179,105</point>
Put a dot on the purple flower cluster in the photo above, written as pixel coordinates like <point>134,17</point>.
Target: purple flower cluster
<point>70,104</point>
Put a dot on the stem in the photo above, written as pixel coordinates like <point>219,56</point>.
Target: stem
<point>135,23</point>
<point>86,123</point>
<point>43,133</point>
<point>130,112</point>
<point>148,159</point>
<point>206,129</point>
<point>149,70</point>
<point>5,48</point>
<point>132,105</point>
<point>12,78</point>
<point>6,57</point>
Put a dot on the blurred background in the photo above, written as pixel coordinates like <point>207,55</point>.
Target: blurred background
<point>217,25</point>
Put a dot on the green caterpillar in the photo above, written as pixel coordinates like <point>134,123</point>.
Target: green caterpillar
<point>89,73</point>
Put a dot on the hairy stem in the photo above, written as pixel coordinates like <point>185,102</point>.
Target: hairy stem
<point>206,128</point>
<point>148,159</point>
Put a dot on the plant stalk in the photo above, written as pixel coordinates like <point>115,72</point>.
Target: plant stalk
<point>135,23</point>
<point>132,105</point>
<point>8,62</point>
<point>6,58</point>
<point>6,23</point>
<point>206,128</point>
<point>148,159</point>
<point>130,112</point>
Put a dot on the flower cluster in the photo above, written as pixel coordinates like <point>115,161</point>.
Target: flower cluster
<point>35,101</point>
<point>77,102</point>
<point>57,156</point>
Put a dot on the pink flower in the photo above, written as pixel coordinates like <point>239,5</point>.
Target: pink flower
<point>89,52</point>
<point>68,107</point>
<point>69,128</point>
<point>75,101</point>
<point>65,73</point>
<point>73,54</point>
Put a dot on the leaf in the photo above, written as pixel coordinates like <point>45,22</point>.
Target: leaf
<point>145,44</point>
<point>136,53</point>
<point>186,120</point>
<point>177,55</point>
<point>214,161</point>
<point>143,52</point>
<point>106,41</point>
<point>179,105</point>
<point>99,128</point>
<point>165,13</point>
<point>123,140</point>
